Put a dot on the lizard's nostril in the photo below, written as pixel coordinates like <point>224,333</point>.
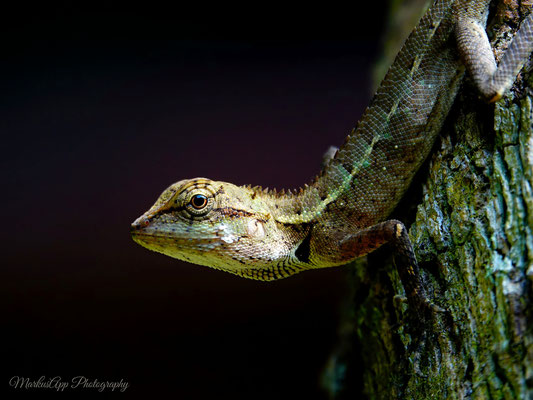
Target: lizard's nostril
<point>140,223</point>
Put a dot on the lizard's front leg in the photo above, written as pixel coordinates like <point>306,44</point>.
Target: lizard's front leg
<point>395,233</point>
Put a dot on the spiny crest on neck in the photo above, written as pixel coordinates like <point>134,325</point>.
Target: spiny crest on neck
<point>307,203</point>
<point>275,193</point>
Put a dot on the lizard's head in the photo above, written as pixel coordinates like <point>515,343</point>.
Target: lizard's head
<point>216,224</point>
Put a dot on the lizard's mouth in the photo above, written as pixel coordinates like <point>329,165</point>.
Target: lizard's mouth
<point>193,250</point>
<point>166,239</point>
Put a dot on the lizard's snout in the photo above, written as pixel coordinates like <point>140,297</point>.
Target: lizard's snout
<point>139,223</point>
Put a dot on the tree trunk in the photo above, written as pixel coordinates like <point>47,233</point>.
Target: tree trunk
<point>472,233</point>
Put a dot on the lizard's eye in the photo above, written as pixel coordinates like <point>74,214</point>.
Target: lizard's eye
<point>198,201</point>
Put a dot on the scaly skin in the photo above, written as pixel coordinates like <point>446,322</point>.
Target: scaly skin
<point>341,215</point>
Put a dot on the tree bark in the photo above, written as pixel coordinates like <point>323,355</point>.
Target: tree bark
<point>472,233</point>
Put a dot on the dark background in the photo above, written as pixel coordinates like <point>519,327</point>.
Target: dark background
<point>100,110</point>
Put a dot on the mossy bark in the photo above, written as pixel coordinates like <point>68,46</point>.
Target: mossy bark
<point>472,232</point>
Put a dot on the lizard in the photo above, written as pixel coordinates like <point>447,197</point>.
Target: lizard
<point>342,214</point>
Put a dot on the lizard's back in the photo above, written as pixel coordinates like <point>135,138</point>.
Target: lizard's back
<point>369,174</point>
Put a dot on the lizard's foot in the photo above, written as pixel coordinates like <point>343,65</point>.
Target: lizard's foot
<point>422,306</point>
<point>425,311</point>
